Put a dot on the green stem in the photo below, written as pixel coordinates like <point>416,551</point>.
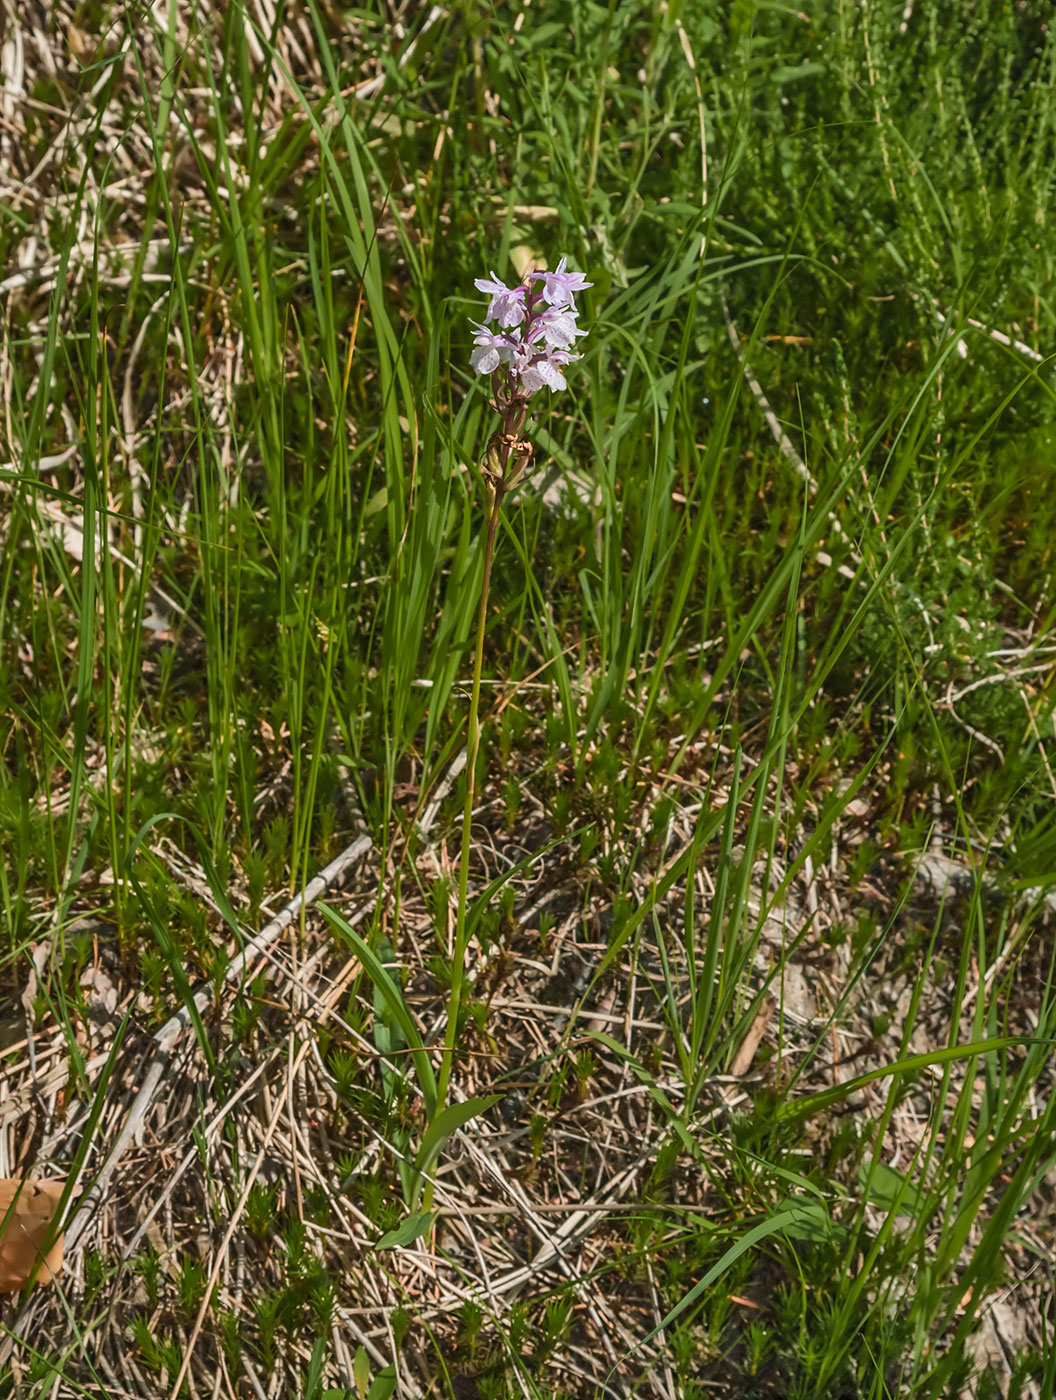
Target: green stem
<point>472,749</point>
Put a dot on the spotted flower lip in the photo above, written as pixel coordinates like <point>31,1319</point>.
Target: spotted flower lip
<point>538,329</point>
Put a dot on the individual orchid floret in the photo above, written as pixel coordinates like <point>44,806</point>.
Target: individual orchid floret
<point>557,327</point>
<point>559,285</point>
<point>545,372</point>
<point>507,303</point>
<point>492,349</point>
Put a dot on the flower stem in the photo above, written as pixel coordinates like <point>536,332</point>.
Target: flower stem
<point>495,493</point>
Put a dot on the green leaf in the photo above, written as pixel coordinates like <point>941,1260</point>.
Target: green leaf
<point>793,72</point>
<point>388,1036</point>
<point>446,1122</point>
<point>377,502</point>
<point>392,995</point>
<point>796,1217</point>
<point>889,1189</point>
<point>411,1228</point>
<point>384,1384</point>
<point>315,1370</point>
<point>361,1371</point>
<point>811,1222</point>
<point>803,1108</point>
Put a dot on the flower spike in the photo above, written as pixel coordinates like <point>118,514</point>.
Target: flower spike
<point>537,331</point>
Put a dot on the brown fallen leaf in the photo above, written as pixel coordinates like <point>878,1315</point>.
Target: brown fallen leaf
<point>742,1061</point>
<point>27,1209</point>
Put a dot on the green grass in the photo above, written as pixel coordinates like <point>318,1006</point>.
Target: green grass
<point>768,703</point>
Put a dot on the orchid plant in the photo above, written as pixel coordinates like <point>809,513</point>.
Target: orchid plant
<point>534,342</point>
